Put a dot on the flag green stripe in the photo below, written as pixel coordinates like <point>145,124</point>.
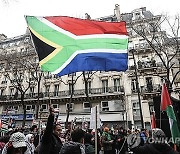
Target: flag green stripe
<point>174,129</point>
<point>170,112</point>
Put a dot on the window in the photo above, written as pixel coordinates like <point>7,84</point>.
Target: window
<point>135,105</point>
<point>104,106</point>
<point>117,85</point>
<point>44,107</point>
<point>31,91</point>
<point>11,91</point>
<point>30,107</point>
<point>5,80</point>
<point>86,105</point>
<point>149,84</point>
<point>71,106</point>
<point>105,86</point>
<point>56,89</point>
<point>2,92</point>
<point>47,87</point>
<point>13,108</point>
<point>136,111</point>
<point>133,85</point>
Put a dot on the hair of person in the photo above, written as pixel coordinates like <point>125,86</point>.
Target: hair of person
<point>54,126</point>
<point>77,135</point>
<point>33,127</point>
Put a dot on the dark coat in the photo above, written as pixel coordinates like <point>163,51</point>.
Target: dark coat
<point>71,148</point>
<point>154,149</point>
<point>50,143</point>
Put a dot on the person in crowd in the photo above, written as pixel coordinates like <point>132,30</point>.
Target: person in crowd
<point>98,139</point>
<point>51,143</point>
<point>107,141</point>
<point>158,146</point>
<point>3,140</point>
<point>34,131</point>
<point>2,144</point>
<point>30,142</point>
<point>121,144</point>
<point>143,136</point>
<point>76,146</point>
<point>89,148</point>
<point>16,145</point>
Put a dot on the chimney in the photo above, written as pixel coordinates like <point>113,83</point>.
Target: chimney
<point>87,16</point>
<point>117,12</point>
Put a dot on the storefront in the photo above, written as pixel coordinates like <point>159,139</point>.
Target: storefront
<point>15,120</point>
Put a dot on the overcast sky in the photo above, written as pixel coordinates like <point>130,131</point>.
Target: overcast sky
<point>12,22</point>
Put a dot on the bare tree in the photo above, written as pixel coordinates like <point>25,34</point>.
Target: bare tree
<point>86,77</point>
<point>71,90</point>
<point>16,71</point>
<point>162,35</point>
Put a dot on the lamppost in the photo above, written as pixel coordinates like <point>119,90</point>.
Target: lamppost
<point>138,89</point>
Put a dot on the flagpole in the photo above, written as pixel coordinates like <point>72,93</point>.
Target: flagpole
<point>160,117</point>
<point>137,86</point>
<point>96,136</point>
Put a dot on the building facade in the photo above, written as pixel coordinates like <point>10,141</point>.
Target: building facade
<point>116,93</point>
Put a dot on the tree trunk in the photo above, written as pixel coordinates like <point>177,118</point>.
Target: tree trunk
<point>24,110</point>
<point>86,90</point>
<point>38,103</point>
<point>70,101</point>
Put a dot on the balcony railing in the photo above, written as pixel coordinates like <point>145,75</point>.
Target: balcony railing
<point>148,89</point>
<point>146,65</point>
<point>80,92</point>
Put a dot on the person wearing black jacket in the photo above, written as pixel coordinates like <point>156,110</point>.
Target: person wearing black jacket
<point>51,143</point>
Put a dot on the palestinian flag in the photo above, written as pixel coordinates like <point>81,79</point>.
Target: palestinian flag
<point>66,45</point>
<point>153,120</point>
<point>166,105</point>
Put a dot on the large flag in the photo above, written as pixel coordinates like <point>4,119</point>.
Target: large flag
<point>166,105</point>
<point>66,45</point>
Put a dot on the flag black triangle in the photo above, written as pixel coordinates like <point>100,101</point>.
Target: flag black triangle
<point>43,49</point>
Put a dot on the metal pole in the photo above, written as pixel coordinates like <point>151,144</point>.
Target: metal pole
<point>96,135</point>
<point>138,90</point>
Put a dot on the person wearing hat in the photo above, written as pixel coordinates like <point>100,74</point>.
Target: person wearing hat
<point>16,144</point>
<point>157,145</point>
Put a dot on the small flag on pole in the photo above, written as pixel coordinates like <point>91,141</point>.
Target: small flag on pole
<point>166,105</point>
<point>153,120</point>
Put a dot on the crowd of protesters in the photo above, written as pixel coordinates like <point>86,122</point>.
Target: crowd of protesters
<point>77,141</point>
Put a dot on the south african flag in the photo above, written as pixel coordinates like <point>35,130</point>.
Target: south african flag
<point>66,45</point>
